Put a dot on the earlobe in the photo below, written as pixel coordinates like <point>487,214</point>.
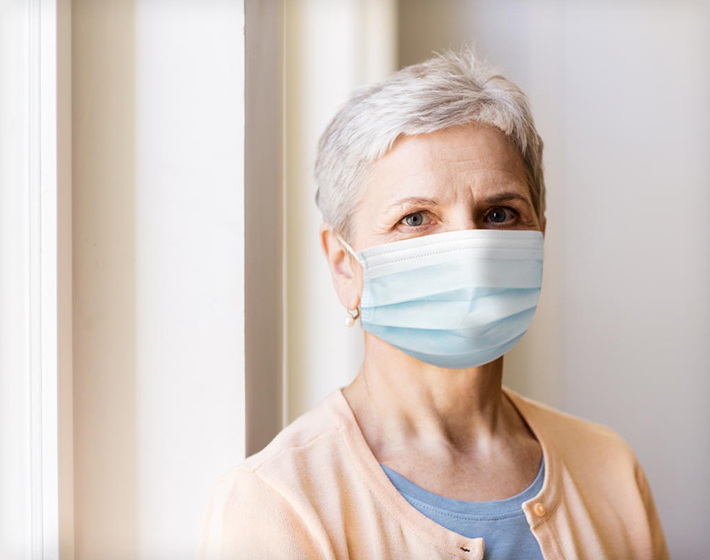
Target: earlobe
<point>352,316</point>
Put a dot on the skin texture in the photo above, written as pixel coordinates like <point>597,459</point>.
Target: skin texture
<point>451,431</point>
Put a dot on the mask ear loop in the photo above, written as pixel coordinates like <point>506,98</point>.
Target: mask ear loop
<point>349,248</point>
<point>352,317</point>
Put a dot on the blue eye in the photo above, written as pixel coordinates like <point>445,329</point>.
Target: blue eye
<point>414,219</point>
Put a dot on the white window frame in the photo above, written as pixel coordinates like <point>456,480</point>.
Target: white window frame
<point>38,437</point>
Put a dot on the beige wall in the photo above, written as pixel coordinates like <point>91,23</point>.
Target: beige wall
<point>158,138</point>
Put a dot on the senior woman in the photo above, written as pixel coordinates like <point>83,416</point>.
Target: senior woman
<point>432,193</point>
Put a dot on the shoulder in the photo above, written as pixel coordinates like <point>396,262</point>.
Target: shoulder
<point>308,440</point>
<point>295,456</point>
<point>601,470</point>
<point>574,438</point>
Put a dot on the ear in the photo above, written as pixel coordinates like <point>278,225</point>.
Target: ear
<point>345,271</point>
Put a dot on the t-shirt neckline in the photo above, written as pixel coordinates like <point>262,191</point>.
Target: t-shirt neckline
<point>477,510</point>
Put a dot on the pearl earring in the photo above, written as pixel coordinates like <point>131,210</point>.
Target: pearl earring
<point>350,320</point>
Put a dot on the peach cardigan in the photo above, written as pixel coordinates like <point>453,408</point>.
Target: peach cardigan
<point>317,491</point>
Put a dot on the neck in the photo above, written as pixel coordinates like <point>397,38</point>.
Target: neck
<point>420,406</point>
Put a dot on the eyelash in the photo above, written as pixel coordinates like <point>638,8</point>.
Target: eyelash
<point>507,208</point>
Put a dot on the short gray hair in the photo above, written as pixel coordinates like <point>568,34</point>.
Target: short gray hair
<point>450,89</point>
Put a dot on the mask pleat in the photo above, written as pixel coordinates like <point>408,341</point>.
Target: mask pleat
<point>460,340</point>
<point>459,309</point>
<point>432,280</point>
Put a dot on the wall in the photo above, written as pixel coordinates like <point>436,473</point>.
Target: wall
<point>620,94</point>
<point>331,48</point>
<point>158,138</point>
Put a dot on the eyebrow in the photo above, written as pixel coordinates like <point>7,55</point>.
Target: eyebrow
<point>417,200</point>
<point>502,197</point>
<point>494,199</point>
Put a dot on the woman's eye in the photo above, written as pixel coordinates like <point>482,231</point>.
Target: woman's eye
<point>500,215</point>
<point>414,219</point>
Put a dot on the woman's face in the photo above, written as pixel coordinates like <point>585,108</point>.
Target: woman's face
<point>465,177</point>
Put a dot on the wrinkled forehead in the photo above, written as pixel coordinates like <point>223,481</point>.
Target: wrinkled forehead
<point>458,157</point>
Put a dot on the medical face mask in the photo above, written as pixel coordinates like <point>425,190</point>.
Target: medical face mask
<point>457,299</point>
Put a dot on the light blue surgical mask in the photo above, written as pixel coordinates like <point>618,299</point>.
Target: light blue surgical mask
<point>457,299</point>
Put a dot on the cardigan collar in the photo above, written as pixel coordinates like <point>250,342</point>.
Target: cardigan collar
<point>408,516</point>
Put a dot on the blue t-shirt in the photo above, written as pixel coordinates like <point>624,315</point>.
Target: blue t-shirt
<point>501,523</point>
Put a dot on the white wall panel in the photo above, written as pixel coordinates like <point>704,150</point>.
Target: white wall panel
<point>15,482</point>
<point>36,510</point>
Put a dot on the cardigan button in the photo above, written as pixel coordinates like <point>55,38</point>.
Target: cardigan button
<point>539,509</point>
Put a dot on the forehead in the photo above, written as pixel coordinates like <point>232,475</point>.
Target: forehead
<point>450,154</point>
